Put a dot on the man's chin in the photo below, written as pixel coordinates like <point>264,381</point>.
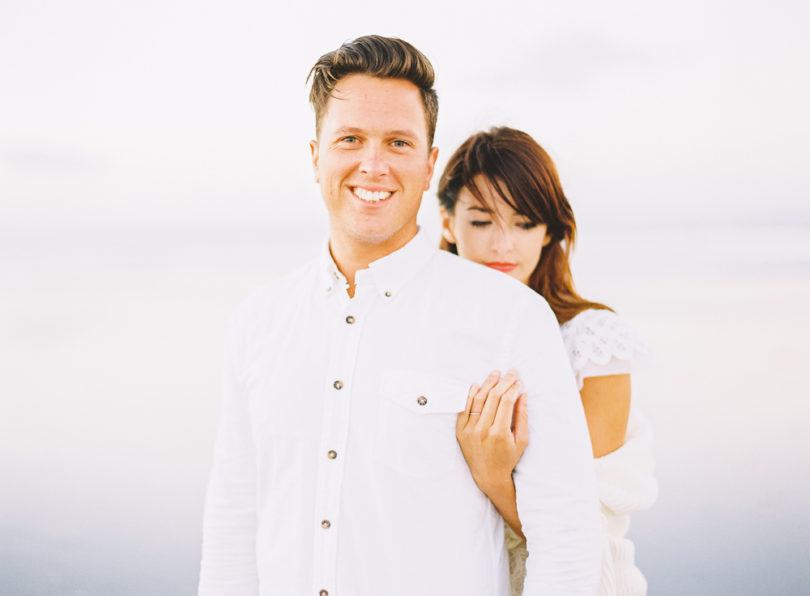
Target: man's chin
<point>372,239</point>
<point>378,240</point>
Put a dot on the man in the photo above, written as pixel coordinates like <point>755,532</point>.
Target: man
<point>337,470</point>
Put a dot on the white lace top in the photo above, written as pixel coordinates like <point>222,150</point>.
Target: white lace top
<point>600,344</point>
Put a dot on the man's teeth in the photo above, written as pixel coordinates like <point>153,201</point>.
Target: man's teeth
<point>370,196</point>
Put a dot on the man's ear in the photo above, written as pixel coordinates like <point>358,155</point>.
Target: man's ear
<point>313,147</point>
<point>431,166</point>
<point>448,222</point>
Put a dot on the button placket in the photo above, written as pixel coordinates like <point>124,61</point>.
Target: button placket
<point>344,334</point>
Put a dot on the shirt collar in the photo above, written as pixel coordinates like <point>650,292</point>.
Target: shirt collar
<point>388,274</point>
<point>332,279</point>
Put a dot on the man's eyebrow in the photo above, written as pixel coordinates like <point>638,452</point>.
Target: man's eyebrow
<point>353,130</point>
<point>402,133</point>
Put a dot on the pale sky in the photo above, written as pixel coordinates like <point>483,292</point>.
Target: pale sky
<point>180,110</point>
<point>181,128</point>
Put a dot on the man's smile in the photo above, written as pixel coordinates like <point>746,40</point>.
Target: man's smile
<point>368,195</point>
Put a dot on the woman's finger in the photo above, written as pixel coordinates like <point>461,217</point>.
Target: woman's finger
<point>463,417</point>
<point>506,409</point>
<point>521,423</point>
<point>481,395</point>
<point>494,397</point>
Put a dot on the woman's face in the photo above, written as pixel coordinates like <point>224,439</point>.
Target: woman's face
<point>500,238</point>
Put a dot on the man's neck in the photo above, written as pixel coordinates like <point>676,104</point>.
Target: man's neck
<point>351,256</point>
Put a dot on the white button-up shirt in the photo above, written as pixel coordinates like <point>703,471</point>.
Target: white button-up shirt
<point>337,471</point>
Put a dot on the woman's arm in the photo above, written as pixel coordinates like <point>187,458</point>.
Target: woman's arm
<point>492,444</point>
<point>493,433</point>
<point>607,407</point>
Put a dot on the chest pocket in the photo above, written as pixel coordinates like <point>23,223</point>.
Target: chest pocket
<point>417,423</point>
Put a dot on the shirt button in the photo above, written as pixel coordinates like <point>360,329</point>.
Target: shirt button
<point>421,400</point>
<point>388,294</point>
<point>325,524</point>
<point>331,454</point>
<point>323,593</point>
<point>338,385</point>
<point>350,320</point>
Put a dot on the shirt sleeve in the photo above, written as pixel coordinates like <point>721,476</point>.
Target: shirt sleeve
<point>599,343</point>
<point>229,523</point>
<point>555,480</point>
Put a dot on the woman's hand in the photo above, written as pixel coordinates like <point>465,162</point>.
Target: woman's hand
<point>493,429</point>
<point>493,432</point>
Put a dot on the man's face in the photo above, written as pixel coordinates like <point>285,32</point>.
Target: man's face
<point>373,162</point>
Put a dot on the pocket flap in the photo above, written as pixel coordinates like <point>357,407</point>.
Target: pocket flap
<point>423,393</point>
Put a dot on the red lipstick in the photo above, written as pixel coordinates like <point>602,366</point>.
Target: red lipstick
<point>505,267</point>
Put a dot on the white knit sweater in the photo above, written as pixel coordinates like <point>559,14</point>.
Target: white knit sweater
<point>599,344</point>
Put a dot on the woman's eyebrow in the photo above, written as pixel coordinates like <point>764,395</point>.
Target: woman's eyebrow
<point>478,208</point>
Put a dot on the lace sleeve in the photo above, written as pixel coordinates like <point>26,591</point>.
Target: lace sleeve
<point>599,343</point>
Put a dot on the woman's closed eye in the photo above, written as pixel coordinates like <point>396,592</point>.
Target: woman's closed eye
<point>479,223</point>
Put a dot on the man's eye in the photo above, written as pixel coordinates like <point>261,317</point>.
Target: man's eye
<point>399,143</point>
<point>349,139</point>
<point>528,225</point>
<point>479,223</point>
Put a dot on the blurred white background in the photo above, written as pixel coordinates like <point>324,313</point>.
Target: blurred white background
<point>154,169</point>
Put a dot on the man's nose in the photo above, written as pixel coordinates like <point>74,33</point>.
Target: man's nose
<point>372,162</point>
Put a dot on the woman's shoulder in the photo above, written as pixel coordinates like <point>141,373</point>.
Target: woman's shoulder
<point>598,337</point>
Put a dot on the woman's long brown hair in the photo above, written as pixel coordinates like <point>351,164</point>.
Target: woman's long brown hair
<point>525,178</point>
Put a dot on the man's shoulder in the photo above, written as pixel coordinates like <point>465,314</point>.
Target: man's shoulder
<point>491,310</point>
<point>459,275</point>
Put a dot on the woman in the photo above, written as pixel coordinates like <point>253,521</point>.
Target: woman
<point>503,206</point>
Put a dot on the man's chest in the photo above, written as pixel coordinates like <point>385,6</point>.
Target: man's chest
<point>385,380</point>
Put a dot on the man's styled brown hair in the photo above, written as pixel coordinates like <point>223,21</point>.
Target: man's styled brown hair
<point>525,177</point>
<point>375,56</point>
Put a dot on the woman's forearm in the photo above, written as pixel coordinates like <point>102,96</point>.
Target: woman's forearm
<point>502,495</point>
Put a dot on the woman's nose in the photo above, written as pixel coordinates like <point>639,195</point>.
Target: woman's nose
<point>502,239</point>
